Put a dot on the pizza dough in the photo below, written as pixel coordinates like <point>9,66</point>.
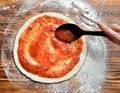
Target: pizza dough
<point>43,58</point>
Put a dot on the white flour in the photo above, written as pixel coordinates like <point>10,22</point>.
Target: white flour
<point>92,75</point>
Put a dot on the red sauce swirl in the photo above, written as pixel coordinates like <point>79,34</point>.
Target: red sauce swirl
<point>41,53</point>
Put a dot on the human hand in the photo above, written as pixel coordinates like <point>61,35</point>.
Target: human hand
<point>113,31</point>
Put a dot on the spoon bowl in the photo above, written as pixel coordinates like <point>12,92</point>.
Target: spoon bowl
<point>70,32</point>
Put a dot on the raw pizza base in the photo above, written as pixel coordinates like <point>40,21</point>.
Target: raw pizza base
<point>42,79</point>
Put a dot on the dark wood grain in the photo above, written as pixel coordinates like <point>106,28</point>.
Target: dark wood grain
<point>112,83</point>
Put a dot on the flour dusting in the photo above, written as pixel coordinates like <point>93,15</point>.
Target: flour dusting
<point>92,75</point>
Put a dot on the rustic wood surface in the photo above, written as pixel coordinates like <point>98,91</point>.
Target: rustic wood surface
<point>112,83</point>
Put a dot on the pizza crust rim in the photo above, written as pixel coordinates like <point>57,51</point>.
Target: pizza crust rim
<point>43,79</point>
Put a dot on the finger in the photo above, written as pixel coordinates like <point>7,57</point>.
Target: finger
<point>111,33</point>
<point>115,27</point>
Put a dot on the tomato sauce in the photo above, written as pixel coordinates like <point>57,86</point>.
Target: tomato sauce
<point>42,54</point>
<point>65,35</point>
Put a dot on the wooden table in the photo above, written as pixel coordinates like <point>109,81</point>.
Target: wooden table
<point>8,8</point>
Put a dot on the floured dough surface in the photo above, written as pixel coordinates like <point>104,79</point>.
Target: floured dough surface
<point>40,56</point>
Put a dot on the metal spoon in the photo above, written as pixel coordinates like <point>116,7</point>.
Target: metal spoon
<point>70,32</point>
